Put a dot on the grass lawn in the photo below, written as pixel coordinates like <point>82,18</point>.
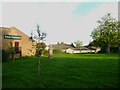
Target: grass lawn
<point>62,71</point>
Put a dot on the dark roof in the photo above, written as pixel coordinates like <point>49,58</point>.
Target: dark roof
<point>81,48</point>
<point>67,46</point>
<point>91,47</point>
<point>62,46</point>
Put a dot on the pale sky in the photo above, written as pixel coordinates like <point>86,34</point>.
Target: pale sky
<point>62,21</point>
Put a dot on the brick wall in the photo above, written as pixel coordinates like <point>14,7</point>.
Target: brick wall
<point>24,43</point>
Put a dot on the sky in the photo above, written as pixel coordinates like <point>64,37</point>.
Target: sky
<point>59,0</point>
<point>62,21</point>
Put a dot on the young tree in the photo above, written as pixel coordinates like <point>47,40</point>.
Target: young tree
<point>11,51</point>
<point>107,32</point>
<point>39,46</point>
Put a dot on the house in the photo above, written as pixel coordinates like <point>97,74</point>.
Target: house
<point>70,48</point>
<point>96,49</point>
<point>63,47</point>
<point>20,41</point>
<point>81,50</point>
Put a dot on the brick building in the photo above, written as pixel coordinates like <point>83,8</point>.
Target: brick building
<point>20,41</point>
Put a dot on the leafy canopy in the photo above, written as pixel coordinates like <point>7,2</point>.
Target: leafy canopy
<point>107,31</point>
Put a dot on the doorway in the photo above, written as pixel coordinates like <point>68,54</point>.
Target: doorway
<point>16,46</point>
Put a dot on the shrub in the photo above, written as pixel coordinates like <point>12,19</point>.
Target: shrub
<point>46,52</point>
<point>38,52</point>
<point>57,50</point>
<point>5,55</point>
<point>114,49</point>
<point>40,48</point>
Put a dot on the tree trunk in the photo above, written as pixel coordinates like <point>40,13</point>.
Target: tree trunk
<point>13,57</point>
<point>108,49</point>
<point>38,67</point>
<point>119,49</point>
<point>20,54</point>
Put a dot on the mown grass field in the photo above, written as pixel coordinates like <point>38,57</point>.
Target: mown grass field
<point>63,71</point>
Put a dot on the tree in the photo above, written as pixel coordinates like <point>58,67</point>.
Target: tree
<point>11,51</point>
<point>78,44</point>
<point>107,32</point>
<point>119,37</point>
<point>62,43</point>
<point>40,37</point>
<point>39,48</point>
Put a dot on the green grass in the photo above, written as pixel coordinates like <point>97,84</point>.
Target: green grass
<point>63,71</point>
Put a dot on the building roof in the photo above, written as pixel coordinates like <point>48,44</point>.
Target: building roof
<point>91,47</point>
<point>62,46</point>
<point>6,30</point>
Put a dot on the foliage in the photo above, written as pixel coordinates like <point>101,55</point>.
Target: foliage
<point>40,37</point>
<point>11,49</point>
<point>5,55</point>
<point>103,47</point>
<point>9,52</point>
<point>39,48</point>
<point>60,43</point>
<point>93,43</point>
<point>78,44</point>
<point>59,50</point>
<point>45,52</point>
<point>114,49</point>
<point>107,32</point>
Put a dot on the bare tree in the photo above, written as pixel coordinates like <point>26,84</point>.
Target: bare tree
<point>78,43</point>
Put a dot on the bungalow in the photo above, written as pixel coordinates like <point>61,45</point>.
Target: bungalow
<point>70,48</point>
<point>63,47</point>
<point>82,50</point>
<point>20,41</point>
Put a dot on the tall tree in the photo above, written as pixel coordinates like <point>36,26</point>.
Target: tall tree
<point>119,37</point>
<point>107,32</point>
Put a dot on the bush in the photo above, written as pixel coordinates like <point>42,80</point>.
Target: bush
<point>114,49</point>
<point>5,55</point>
<point>40,48</point>
<point>57,51</point>
<point>45,52</point>
<point>38,52</point>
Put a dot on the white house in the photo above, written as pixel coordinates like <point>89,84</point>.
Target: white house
<point>70,48</point>
<point>82,50</point>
